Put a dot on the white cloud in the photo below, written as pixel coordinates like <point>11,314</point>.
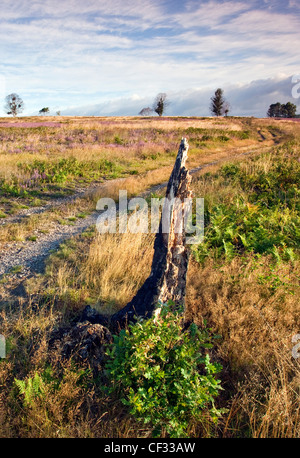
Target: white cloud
<point>68,53</point>
<point>251,99</point>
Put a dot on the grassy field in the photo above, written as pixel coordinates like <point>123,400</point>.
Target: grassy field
<point>242,284</point>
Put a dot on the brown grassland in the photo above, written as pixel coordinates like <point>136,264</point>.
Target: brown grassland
<point>243,282</point>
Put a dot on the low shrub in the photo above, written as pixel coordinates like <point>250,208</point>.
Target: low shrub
<point>161,372</point>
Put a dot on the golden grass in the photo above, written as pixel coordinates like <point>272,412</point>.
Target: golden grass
<point>111,266</point>
<point>256,328</point>
<point>108,275</point>
<point>133,121</point>
<point>134,185</point>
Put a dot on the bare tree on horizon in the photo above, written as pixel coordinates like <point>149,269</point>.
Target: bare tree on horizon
<point>13,104</point>
<point>160,103</point>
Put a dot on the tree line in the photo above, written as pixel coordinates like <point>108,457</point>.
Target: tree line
<point>219,106</point>
<point>281,110</point>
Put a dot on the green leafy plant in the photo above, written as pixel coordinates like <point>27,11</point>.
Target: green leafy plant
<point>12,187</point>
<point>64,169</point>
<point>32,238</point>
<point>262,213</point>
<point>161,372</point>
<point>32,389</point>
<point>118,140</point>
<point>230,170</point>
<point>16,269</point>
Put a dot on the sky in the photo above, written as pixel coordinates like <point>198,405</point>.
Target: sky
<point>112,57</point>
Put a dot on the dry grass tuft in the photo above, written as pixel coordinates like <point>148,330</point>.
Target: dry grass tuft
<point>111,266</point>
<point>256,326</point>
<point>108,275</point>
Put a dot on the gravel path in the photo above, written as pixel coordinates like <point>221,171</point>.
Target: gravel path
<point>31,255</point>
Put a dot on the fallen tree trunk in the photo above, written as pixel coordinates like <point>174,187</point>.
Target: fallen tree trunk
<point>167,280</point>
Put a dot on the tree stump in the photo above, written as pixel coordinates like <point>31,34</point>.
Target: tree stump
<point>167,281</point>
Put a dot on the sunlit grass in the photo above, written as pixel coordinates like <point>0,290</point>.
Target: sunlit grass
<point>250,299</point>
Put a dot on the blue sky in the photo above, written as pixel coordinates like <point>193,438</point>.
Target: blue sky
<point>111,57</point>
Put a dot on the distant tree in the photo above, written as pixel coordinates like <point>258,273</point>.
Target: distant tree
<point>226,108</point>
<point>290,110</point>
<point>146,112</point>
<point>278,110</point>
<point>58,113</point>
<point>274,110</point>
<point>13,104</point>
<point>44,110</point>
<point>160,103</point>
<point>218,104</point>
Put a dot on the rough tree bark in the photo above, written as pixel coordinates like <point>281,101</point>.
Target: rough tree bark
<point>167,280</point>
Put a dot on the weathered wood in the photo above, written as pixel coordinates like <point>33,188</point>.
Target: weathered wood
<point>167,280</point>
<point>86,339</point>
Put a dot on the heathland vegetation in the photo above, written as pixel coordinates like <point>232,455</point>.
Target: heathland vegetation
<point>231,373</point>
